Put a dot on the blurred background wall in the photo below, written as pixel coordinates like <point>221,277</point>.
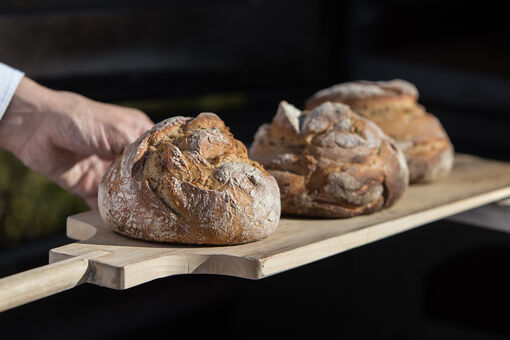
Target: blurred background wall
<point>239,58</point>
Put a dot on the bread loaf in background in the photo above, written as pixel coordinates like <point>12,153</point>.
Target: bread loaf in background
<point>393,106</point>
<point>187,180</point>
<point>330,162</point>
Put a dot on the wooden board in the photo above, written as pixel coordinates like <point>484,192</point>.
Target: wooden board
<point>126,262</point>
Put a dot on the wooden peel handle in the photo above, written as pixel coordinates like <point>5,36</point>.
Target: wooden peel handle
<point>34,284</point>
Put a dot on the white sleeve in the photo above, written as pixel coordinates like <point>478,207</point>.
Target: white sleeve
<point>9,80</point>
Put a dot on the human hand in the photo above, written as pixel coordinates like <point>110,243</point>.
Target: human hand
<point>66,137</point>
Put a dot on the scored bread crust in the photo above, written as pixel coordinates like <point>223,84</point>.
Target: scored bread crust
<point>187,180</point>
<point>393,106</point>
<point>330,162</point>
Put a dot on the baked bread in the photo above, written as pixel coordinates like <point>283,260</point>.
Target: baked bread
<point>393,106</point>
<point>187,180</point>
<point>330,162</point>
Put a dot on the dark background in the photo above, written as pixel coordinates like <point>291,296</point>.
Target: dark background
<point>239,59</point>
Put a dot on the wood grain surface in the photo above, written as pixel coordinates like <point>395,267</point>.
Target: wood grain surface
<point>126,262</point>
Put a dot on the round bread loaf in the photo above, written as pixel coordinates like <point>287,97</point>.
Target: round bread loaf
<point>330,162</point>
<point>393,106</point>
<point>187,180</point>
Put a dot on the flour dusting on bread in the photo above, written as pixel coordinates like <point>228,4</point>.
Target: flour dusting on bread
<point>189,181</point>
<point>334,163</point>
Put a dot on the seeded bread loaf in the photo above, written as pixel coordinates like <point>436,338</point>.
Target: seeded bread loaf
<point>330,162</point>
<point>393,106</point>
<point>187,180</point>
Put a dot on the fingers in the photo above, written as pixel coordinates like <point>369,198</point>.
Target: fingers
<point>138,123</point>
<point>119,133</point>
<point>84,177</point>
<point>144,122</point>
<point>88,127</point>
<point>120,126</point>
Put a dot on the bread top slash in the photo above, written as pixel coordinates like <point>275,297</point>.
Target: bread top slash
<point>330,162</point>
<point>190,181</point>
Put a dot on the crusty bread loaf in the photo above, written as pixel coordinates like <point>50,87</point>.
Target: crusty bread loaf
<point>393,106</point>
<point>189,181</point>
<point>330,162</point>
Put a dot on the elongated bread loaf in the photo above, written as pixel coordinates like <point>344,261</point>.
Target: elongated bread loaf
<point>330,162</point>
<point>187,180</point>
<point>393,106</point>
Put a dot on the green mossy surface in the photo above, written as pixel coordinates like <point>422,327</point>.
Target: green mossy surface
<point>31,206</point>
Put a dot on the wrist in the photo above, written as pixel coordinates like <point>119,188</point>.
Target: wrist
<point>24,114</point>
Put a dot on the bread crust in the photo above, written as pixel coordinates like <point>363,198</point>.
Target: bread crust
<point>187,180</point>
<point>393,106</point>
<point>330,162</point>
